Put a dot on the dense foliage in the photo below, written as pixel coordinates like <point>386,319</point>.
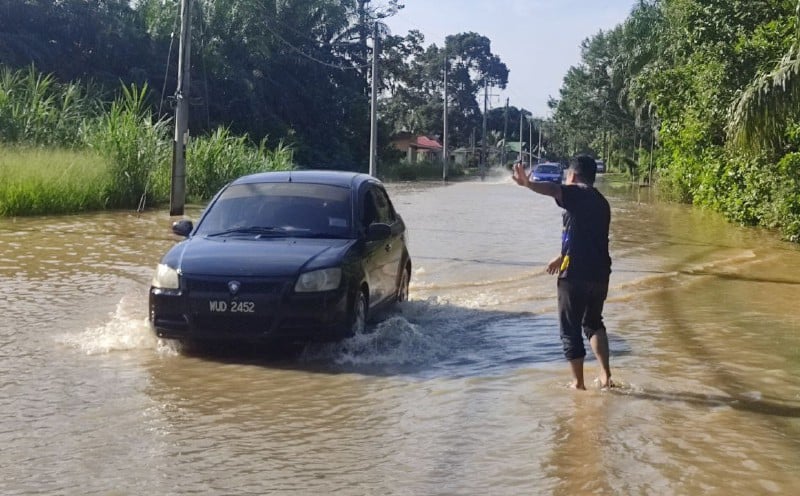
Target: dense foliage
<point>710,87</point>
<point>295,72</point>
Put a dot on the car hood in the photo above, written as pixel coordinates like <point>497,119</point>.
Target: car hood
<point>273,257</point>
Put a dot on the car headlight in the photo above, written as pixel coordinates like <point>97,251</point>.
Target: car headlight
<point>165,277</point>
<point>319,280</point>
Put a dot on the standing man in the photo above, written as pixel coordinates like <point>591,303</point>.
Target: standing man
<point>584,265</point>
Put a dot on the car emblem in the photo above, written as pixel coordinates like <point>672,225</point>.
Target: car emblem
<point>233,287</point>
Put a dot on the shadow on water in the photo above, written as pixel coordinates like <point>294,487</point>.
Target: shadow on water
<point>484,261</point>
<point>424,339</point>
<point>758,405</point>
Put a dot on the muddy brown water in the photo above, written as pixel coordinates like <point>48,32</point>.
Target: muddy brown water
<point>460,391</point>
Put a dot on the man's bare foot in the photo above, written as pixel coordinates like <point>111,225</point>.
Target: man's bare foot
<point>606,384</point>
<point>576,385</point>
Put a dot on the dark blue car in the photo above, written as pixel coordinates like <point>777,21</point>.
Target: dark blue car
<point>548,171</point>
<point>297,256</point>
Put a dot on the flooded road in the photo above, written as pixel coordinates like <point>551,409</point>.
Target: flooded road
<point>462,391</point>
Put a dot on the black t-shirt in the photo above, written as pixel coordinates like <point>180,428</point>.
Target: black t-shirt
<point>584,240</point>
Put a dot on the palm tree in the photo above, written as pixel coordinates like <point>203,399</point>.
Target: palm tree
<point>758,118</point>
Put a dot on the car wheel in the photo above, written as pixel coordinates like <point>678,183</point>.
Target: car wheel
<point>358,315</point>
<point>402,289</point>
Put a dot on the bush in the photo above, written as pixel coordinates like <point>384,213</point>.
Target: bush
<point>404,171</point>
<point>213,161</point>
<point>134,144</point>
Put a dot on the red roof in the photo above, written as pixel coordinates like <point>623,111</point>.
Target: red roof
<point>425,142</point>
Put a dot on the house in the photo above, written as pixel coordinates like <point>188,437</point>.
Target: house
<point>511,151</point>
<point>460,156</point>
<point>417,148</point>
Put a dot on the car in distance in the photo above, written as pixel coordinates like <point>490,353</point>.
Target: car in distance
<point>547,171</point>
<point>601,166</point>
<point>289,256</point>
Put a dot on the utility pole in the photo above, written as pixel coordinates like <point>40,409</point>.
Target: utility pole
<point>373,133</point>
<point>483,136</point>
<point>519,158</point>
<point>505,132</point>
<point>445,155</point>
<point>530,142</point>
<point>539,148</point>
<point>177,196</point>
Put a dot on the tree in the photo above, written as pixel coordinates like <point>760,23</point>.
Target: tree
<point>415,103</point>
<point>759,117</point>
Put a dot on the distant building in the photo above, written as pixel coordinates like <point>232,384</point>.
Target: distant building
<point>417,147</point>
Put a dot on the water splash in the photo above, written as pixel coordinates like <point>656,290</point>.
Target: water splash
<point>434,336</point>
<point>125,330</point>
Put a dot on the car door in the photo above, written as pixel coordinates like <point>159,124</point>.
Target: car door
<point>382,256</point>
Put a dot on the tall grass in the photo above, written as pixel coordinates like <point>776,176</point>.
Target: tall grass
<point>37,110</point>
<point>35,181</point>
<point>63,151</point>
<point>135,145</point>
<point>215,160</point>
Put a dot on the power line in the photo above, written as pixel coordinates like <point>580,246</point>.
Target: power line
<point>169,55</point>
<point>312,58</point>
<point>296,31</point>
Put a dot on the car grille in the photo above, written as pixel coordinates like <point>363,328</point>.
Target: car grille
<point>248,286</point>
<point>264,293</point>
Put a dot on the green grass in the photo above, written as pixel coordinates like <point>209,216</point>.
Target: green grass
<point>62,151</point>
<point>36,181</point>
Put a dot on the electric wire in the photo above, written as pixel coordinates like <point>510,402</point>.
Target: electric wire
<point>300,52</point>
<point>169,56</point>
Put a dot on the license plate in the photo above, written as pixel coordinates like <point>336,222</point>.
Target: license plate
<point>238,306</point>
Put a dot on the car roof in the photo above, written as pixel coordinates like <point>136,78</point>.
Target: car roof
<point>345,179</point>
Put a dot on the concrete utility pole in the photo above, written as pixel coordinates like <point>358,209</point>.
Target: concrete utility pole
<point>177,196</point>
<point>483,136</point>
<point>539,148</point>
<point>505,132</point>
<point>445,155</point>
<point>373,133</point>
<point>519,158</point>
<point>530,142</point>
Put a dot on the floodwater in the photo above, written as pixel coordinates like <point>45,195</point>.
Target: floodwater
<point>461,391</point>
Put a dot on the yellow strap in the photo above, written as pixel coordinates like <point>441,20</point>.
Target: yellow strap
<point>564,263</point>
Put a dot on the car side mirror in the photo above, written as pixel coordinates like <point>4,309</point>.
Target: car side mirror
<point>182,227</point>
<point>379,231</point>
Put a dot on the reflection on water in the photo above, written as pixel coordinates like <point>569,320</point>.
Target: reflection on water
<point>462,390</point>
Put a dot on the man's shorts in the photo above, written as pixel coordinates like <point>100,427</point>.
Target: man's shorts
<point>580,310</point>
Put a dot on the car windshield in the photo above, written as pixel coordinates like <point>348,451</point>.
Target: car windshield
<point>279,209</point>
<point>547,169</point>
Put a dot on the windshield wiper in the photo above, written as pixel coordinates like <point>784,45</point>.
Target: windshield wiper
<point>250,230</point>
<point>321,235</point>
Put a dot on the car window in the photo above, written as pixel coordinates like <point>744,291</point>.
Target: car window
<point>385,210</point>
<point>548,169</point>
<point>370,210</point>
<point>311,209</point>
<point>377,207</point>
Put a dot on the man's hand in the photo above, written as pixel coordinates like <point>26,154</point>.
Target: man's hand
<point>541,187</point>
<point>520,176</point>
<point>555,265</point>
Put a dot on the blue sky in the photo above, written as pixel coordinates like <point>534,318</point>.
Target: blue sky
<point>537,39</point>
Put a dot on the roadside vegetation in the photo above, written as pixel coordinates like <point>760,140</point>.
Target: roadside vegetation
<point>63,151</point>
<point>699,98</point>
<point>703,96</point>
